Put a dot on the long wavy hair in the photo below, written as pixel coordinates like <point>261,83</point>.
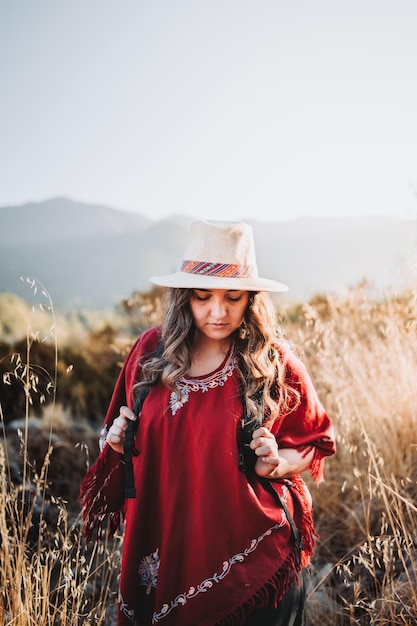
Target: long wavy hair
<point>257,340</point>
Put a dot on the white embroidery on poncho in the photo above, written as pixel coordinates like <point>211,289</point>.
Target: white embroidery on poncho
<point>124,608</point>
<point>148,570</point>
<point>207,584</point>
<point>186,385</point>
<point>103,436</point>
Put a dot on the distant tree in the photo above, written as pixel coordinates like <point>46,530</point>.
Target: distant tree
<point>85,377</point>
<point>84,372</point>
<point>142,309</point>
<point>96,365</point>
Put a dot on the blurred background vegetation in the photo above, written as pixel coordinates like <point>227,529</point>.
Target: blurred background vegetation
<point>58,372</point>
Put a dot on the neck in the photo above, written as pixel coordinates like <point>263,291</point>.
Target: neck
<point>207,355</point>
<point>205,345</point>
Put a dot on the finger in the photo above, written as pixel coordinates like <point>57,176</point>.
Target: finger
<point>114,443</point>
<point>127,413</point>
<point>124,417</point>
<point>120,423</point>
<point>118,429</point>
<point>114,437</point>
<point>264,442</point>
<point>266,451</point>
<point>262,432</point>
<point>272,461</point>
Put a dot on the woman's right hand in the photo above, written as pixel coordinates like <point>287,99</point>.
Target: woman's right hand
<point>116,435</point>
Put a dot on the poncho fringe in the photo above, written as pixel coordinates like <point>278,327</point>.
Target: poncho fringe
<point>275,588</point>
<point>97,516</point>
<point>278,585</point>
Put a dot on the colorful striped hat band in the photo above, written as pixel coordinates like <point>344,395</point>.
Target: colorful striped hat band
<point>219,255</point>
<point>226,270</point>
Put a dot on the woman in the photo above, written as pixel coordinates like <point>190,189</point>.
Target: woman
<point>213,534</point>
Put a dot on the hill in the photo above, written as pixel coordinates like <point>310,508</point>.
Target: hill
<point>61,219</point>
<point>93,256</point>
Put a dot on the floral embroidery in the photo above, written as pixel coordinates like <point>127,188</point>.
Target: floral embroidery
<point>102,440</point>
<point>178,398</point>
<point>124,608</point>
<point>185,385</point>
<point>207,584</point>
<point>148,570</point>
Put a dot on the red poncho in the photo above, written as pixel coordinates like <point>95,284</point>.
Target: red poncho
<point>202,542</point>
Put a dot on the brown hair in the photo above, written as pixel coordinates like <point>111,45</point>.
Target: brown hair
<point>257,349</point>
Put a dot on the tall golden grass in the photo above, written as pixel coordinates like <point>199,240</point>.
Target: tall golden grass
<point>362,354</point>
<point>48,575</point>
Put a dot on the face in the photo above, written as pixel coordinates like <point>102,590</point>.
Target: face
<point>217,313</point>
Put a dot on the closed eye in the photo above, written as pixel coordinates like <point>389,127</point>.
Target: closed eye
<point>202,295</point>
<point>201,298</point>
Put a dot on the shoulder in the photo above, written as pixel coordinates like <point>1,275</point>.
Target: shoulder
<point>143,348</point>
<point>286,352</point>
<point>146,344</point>
<point>295,369</point>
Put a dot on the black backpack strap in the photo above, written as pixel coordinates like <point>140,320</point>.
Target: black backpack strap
<point>298,539</point>
<point>129,448</point>
<point>247,457</point>
<point>247,460</point>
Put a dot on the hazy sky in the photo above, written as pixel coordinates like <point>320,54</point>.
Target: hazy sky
<point>211,108</point>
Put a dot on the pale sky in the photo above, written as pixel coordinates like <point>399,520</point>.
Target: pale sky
<point>223,109</point>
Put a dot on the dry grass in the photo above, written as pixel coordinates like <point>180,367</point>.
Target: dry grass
<point>363,357</point>
<point>362,354</point>
<point>48,576</point>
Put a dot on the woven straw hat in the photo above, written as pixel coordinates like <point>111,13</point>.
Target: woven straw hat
<point>219,255</point>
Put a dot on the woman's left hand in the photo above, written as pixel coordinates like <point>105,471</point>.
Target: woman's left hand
<point>274,464</point>
<point>265,447</point>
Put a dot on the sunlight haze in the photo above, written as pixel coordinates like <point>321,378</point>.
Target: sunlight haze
<point>224,109</point>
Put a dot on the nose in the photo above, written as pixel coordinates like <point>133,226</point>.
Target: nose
<point>218,308</point>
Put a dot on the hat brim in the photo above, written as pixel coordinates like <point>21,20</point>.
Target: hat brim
<point>184,280</point>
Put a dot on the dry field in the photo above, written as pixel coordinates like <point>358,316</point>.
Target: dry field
<point>363,357</point>
<point>362,353</point>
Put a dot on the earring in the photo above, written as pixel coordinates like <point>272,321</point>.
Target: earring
<point>243,330</point>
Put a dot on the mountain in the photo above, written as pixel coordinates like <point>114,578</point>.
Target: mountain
<point>94,256</point>
<point>84,255</point>
<point>61,219</point>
